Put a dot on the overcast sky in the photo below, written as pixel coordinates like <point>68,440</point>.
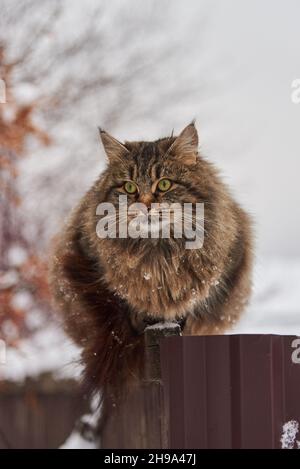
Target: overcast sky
<point>249,125</point>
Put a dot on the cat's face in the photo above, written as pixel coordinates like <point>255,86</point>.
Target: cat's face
<point>153,174</point>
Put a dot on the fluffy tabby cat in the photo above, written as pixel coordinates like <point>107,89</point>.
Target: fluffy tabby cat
<point>108,289</point>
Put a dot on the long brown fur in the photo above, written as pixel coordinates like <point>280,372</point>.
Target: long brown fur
<point>108,289</point>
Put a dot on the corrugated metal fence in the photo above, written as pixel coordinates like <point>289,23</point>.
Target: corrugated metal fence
<point>213,392</point>
<point>199,392</point>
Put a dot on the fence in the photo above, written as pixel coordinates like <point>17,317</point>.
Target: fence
<point>39,413</point>
<point>239,391</point>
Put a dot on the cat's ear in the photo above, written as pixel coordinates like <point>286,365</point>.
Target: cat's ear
<point>114,149</point>
<point>185,147</point>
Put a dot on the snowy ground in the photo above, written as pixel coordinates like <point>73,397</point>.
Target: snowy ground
<point>49,350</point>
<point>275,305</point>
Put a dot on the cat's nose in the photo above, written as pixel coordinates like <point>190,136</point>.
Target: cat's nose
<point>147,200</point>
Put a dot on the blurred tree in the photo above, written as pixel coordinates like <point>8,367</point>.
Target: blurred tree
<point>22,273</point>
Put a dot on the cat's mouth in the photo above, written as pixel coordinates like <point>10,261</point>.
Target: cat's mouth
<point>151,220</point>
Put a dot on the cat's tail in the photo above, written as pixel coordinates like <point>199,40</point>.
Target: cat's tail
<point>96,319</point>
<point>113,360</point>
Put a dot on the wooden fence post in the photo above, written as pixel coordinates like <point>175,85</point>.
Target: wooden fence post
<point>140,421</point>
<point>153,335</point>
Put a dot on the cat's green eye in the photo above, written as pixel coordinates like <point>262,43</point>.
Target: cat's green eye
<point>164,185</point>
<point>130,187</point>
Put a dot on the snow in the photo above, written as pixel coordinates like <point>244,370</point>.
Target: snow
<point>48,350</point>
<point>22,300</point>
<point>34,319</point>
<point>16,256</point>
<point>275,305</point>
<point>2,352</point>
<point>84,436</point>
<point>8,279</point>
<point>289,433</point>
<point>163,325</point>
<point>76,441</point>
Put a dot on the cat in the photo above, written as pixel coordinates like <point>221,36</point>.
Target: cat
<point>109,289</point>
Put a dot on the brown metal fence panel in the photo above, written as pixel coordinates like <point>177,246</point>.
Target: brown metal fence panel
<point>233,391</point>
<point>229,391</point>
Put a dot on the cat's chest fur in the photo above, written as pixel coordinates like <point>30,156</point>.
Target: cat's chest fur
<point>154,285</point>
